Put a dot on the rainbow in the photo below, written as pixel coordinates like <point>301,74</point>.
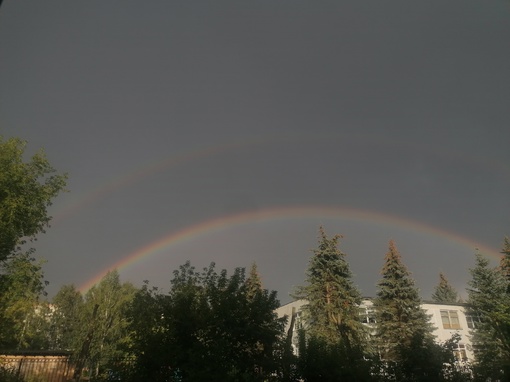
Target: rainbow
<point>137,174</point>
<point>164,243</point>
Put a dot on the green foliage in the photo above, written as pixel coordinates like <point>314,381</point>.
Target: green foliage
<point>67,319</point>
<point>444,292</point>
<point>148,334</point>
<point>327,361</point>
<point>333,332</point>
<point>93,327</point>
<point>26,190</point>
<point>504,263</point>
<point>9,375</point>
<point>487,290</point>
<point>423,360</point>
<point>332,298</point>
<point>206,328</point>
<point>253,282</point>
<point>22,314</point>
<point>110,330</point>
<point>402,325</point>
<point>490,300</point>
<point>287,361</point>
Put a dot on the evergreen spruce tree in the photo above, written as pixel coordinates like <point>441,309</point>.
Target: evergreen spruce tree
<point>489,299</point>
<point>333,300</point>
<point>403,328</point>
<point>253,283</point>
<point>444,292</point>
<point>333,333</point>
<point>504,263</point>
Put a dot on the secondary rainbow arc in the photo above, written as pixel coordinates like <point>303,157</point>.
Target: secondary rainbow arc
<point>137,174</point>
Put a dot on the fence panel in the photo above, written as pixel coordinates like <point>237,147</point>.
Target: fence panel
<point>39,368</point>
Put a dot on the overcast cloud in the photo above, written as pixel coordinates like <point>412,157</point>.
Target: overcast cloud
<point>170,114</point>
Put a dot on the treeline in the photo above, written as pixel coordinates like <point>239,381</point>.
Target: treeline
<point>211,326</point>
<point>216,326</point>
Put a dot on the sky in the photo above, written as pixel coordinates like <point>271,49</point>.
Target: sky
<point>230,131</point>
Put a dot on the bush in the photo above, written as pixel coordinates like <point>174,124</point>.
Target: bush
<point>9,375</point>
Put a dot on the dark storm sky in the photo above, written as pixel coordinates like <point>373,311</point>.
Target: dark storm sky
<point>169,114</point>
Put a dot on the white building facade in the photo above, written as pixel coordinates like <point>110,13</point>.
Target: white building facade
<point>447,320</point>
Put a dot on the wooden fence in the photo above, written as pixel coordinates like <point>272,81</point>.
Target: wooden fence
<point>39,368</point>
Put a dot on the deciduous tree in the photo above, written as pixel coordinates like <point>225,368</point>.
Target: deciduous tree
<point>205,328</point>
<point>107,334</point>
<point>22,312</point>
<point>67,319</point>
<point>26,190</point>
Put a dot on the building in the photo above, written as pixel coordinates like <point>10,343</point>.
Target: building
<point>447,319</point>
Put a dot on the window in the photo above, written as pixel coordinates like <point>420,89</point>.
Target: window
<point>473,320</point>
<point>450,319</point>
<point>367,315</point>
<point>299,324</point>
<point>460,353</point>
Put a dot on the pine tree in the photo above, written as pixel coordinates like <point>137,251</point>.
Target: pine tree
<point>505,259</point>
<point>333,338</point>
<point>444,292</point>
<point>489,299</point>
<point>332,298</point>
<point>253,283</point>
<point>401,321</point>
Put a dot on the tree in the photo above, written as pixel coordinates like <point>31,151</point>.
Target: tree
<point>105,310</point>
<point>504,263</point>
<point>489,299</point>
<point>93,327</point>
<point>67,319</point>
<point>148,332</point>
<point>26,190</point>
<point>403,328</point>
<point>288,360</point>
<point>253,282</point>
<point>205,328</point>
<point>444,292</point>
<point>22,313</point>
<point>333,332</point>
<point>332,298</point>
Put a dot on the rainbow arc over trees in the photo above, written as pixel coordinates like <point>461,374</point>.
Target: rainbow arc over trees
<point>135,175</point>
<point>208,226</point>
